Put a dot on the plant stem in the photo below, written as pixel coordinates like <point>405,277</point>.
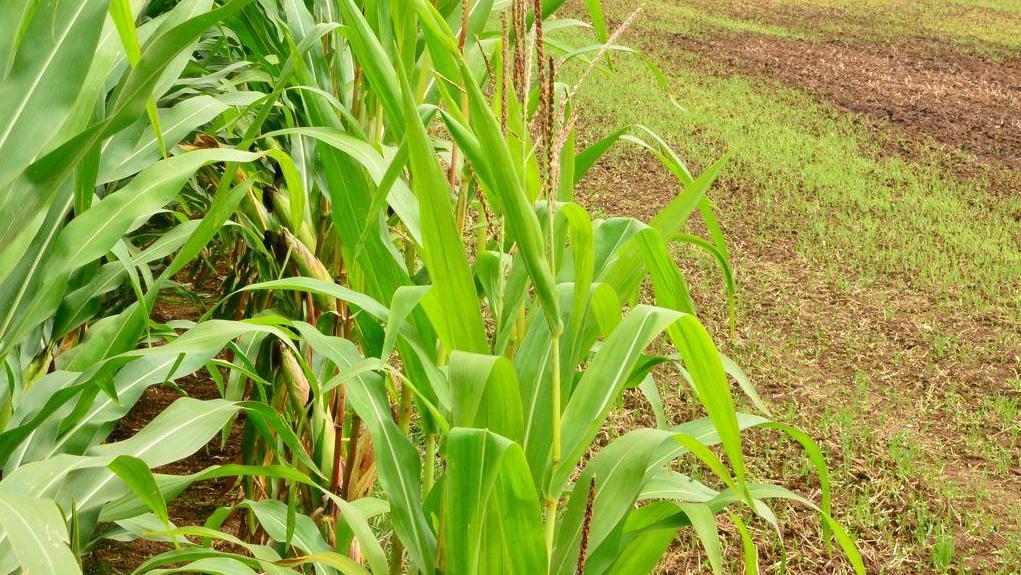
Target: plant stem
<point>338,444</point>
<point>404,409</point>
<point>430,456</point>
<point>352,446</point>
<point>396,557</point>
<point>551,501</point>
<point>551,521</point>
<point>453,177</point>
<point>555,330</point>
<point>555,366</point>
<point>427,485</point>
<point>404,422</point>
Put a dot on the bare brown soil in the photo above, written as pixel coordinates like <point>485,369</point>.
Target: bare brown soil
<point>199,501</point>
<point>887,24</point>
<point>958,100</point>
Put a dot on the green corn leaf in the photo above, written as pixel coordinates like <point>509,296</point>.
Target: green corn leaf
<point>583,267</point>
<point>359,525</point>
<point>452,303</point>
<point>214,565</point>
<point>80,305</point>
<point>486,469</point>
<point>137,476</point>
<point>37,534</point>
<point>358,109</point>
<point>602,381</point>
<point>513,521</point>
<point>42,180</point>
<point>590,155</point>
<point>380,72</point>
<point>624,272</point>
<point>273,516</point>
<point>617,473</point>
<point>670,287</point>
<point>762,491</point>
<point>703,431</point>
<point>271,424</point>
<point>734,370</point>
<point>174,434</point>
<point>160,51</point>
<point>485,394</point>
<point>405,299</point>
<point>398,462</point>
<point>321,287</point>
<point>702,360</point>
<point>663,483</point>
<point>383,171</point>
<point>651,393</point>
<point>40,184</point>
<point>124,20</point>
<point>92,234</point>
<point>704,522</point>
<point>171,486</point>
<point>729,283</point>
<point>522,223</point>
<point>344,564</point>
<point>751,556</point>
<point>642,550</point>
<point>38,93</point>
<point>181,357</point>
<point>367,508</point>
<point>194,554</point>
<point>129,151</point>
<point>295,187</point>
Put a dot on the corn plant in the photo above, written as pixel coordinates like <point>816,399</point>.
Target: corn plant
<point>421,333</point>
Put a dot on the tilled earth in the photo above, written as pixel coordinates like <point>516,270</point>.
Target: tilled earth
<point>958,100</point>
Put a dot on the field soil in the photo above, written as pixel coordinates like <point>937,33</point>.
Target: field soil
<point>959,100</point>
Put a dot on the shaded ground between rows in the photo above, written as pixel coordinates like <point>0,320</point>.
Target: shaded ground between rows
<point>201,499</point>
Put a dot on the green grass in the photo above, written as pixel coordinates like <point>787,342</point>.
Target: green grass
<point>686,19</point>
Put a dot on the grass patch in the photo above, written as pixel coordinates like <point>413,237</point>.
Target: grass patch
<point>692,20</point>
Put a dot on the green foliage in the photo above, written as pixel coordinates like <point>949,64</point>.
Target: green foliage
<point>408,398</point>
